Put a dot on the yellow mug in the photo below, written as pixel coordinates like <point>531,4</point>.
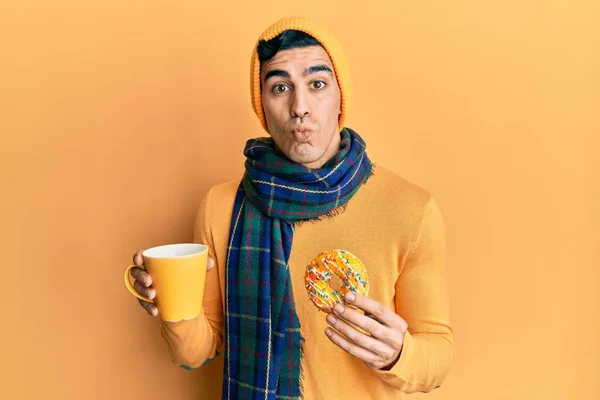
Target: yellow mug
<point>178,275</point>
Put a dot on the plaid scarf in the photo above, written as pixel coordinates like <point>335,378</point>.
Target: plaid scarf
<point>263,343</point>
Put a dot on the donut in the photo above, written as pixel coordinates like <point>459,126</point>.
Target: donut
<point>340,263</point>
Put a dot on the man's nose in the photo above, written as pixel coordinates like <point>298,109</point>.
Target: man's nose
<point>300,107</point>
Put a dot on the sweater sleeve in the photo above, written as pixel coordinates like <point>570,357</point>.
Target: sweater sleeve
<point>422,300</point>
<point>192,343</point>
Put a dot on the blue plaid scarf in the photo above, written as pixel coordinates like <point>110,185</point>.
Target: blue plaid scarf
<point>263,343</point>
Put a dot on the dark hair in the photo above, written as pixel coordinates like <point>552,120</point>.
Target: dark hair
<point>289,39</point>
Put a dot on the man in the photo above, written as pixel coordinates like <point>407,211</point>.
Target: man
<point>308,188</point>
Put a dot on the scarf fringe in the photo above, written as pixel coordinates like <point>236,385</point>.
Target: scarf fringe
<point>334,212</point>
<point>301,368</point>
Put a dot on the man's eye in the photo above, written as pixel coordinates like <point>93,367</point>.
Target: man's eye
<point>318,85</point>
<point>280,88</point>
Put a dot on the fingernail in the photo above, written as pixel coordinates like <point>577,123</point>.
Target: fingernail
<point>350,296</point>
<point>328,332</point>
<point>331,319</point>
<point>338,308</point>
<point>152,294</point>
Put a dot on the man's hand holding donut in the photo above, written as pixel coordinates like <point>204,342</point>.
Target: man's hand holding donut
<point>381,348</point>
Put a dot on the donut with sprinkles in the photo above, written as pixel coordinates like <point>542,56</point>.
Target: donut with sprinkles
<point>322,268</point>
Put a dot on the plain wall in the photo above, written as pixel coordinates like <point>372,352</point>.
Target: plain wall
<point>117,116</point>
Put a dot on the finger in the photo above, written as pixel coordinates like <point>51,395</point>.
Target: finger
<point>369,325</point>
<point>149,307</point>
<point>376,310</point>
<point>137,258</point>
<point>360,339</point>
<point>146,292</point>
<point>351,348</point>
<point>211,264</point>
<point>141,276</point>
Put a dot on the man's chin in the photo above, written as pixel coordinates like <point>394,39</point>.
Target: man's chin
<point>308,160</point>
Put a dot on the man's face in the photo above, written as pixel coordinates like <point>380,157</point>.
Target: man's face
<point>301,102</point>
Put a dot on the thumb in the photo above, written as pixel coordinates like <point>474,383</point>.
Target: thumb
<point>211,264</point>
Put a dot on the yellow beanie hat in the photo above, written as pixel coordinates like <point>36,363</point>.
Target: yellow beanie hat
<point>331,45</point>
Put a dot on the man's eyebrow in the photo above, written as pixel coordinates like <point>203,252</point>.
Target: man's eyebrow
<point>317,68</point>
<point>308,71</point>
<point>276,72</point>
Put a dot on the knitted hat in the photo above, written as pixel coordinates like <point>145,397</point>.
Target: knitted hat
<point>331,45</point>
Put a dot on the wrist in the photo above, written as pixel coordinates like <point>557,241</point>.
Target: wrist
<point>391,365</point>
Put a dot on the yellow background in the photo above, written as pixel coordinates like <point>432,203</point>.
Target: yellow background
<point>116,117</point>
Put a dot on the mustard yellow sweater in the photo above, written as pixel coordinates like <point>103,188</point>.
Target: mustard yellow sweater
<point>397,230</point>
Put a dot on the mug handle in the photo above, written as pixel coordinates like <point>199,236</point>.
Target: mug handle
<point>130,286</point>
